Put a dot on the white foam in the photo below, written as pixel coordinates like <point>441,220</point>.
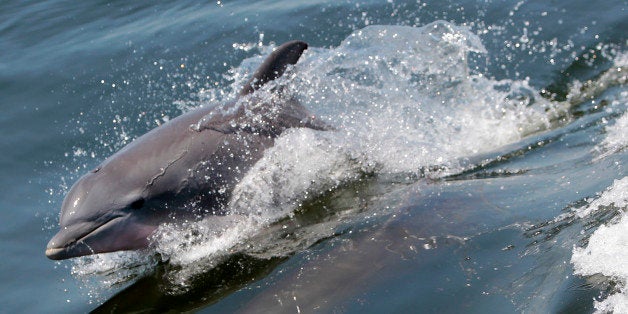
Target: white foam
<point>616,195</point>
<point>617,134</point>
<point>607,250</point>
<point>302,163</point>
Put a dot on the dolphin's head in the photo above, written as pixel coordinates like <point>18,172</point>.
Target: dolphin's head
<point>102,213</point>
<point>119,204</point>
<point>114,207</point>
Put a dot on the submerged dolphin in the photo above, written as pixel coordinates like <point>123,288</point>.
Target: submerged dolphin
<point>185,168</point>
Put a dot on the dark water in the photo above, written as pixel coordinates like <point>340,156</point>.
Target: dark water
<point>493,228</point>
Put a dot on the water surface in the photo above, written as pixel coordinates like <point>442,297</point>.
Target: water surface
<point>478,162</point>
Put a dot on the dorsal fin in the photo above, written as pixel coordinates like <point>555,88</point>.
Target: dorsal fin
<point>269,117</point>
<point>274,65</point>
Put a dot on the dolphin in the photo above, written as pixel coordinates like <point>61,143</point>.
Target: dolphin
<point>185,168</point>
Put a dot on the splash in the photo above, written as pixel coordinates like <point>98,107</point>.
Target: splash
<point>616,138</point>
<point>616,75</point>
<point>607,250</point>
<point>405,98</point>
<point>402,100</point>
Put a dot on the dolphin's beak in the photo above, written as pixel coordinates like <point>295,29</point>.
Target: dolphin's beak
<point>85,238</point>
<point>59,253</point>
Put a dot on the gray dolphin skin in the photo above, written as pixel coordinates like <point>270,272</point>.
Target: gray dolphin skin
<point>185,168</point>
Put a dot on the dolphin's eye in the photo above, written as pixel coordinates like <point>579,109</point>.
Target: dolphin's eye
<point>138,204</point>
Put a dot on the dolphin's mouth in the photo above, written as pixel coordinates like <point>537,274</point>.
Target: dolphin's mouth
<point>55,253</point>
<point>60,248</point>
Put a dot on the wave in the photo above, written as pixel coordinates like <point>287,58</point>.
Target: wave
<point>404,102</point>
<point>605,253</point>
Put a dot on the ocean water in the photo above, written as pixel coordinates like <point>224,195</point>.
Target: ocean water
<point>477,162</point>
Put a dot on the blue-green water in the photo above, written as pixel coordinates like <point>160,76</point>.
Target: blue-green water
<point>471,156</point>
